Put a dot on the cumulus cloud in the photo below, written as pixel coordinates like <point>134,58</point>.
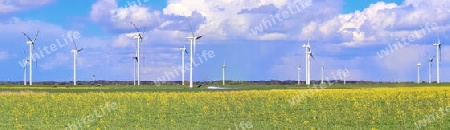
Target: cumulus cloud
<point>112,17</point>
<point>343,35</point>
<point>7,6</point>
<point>58,60</point>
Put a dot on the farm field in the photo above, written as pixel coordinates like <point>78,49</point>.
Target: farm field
<point>269,107</point>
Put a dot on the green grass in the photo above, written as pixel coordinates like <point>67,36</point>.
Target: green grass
<point>179,107</point>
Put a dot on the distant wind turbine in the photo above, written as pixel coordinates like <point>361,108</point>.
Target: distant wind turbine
<point>299,68</point>
<point>31,43</point>
<point>418,72</point>
<point>309,55</point>
<point>345,74</point>
<point>75,53</point>
<point>135,60</point>
<point>193,40</point>
<point>224,67</point>
<point>139,40</point>
<point>183,50</point>
<point>323,66</point>
<point>26,61</point>
<point>438,58</point>
<point>430,61</point>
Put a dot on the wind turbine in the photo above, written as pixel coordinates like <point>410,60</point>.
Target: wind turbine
<point>345,74</point>
<point>438,58</point>
<point>193,39</point>
<point>224,67</point>
<point>418,72</point>
<point>75,53</point>
<point>139,39</point>
<point>323,66</point>
<point>26,61</point>
<point>135,60</point>
<point>308,55</point>
<point>430,61</point>
<point>298,74</point>
<point>93,78</point>
<point>183,50</point>
<point>31,43</point>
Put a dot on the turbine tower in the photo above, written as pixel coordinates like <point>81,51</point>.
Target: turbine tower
<point>298,74</point>
<point>309,55</point>
<point>139,40</point>
<point>135,60</point>
<point>438,58</point>
<point>345,74</point>
<point>93,78</point>
<point>26,61</point>
<point>224,67</point>
<point>430,61</point>
<point>183,50</point>
<point>418,72</point>
<point>31,43</point>
<point>323,66</point>
<point>193,39</point>
<point>75,53</point>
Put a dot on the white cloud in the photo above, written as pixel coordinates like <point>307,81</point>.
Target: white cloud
<point>124,40</point>
<point>56,61</point>
<point>7,6</point>
<point>3,55</point>
<point>378,24</point>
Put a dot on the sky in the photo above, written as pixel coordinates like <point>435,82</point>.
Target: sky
<point>257,40</point>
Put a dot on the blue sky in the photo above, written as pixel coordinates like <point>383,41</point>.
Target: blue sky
<point>345,33</point>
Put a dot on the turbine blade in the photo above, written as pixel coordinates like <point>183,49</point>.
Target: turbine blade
<point>144,30</point>
<point>190,27</point>
<point>74,44</point>
<point>312,56</point>
<point>135,27</point>
<point>29,39</point>
<point>24,52</point>
<point>36,35</point>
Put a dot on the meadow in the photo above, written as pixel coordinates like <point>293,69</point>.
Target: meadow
<point>385,106</point>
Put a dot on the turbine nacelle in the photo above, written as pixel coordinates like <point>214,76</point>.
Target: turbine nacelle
<point>30,42</point>
<point>77,50</point>
<point>437,44</point>
<point>137,37</point>
<point>306,46</point>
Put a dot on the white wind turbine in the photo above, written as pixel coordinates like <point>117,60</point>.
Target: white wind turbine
<point>224,67</point>
<point>26,61</point>
<point>323,67</point>
<point>438,58</point>
<point>193,39</point>
<point>418,72</point>
<point>75,53</point>
<point>308,66</point>
<point>345,74</point>
<point>31,43</point>
<point>139,40</point>
<point>135,60</point>
<point>430,61</point>
<point>183,50</point>
<point>299,68</point>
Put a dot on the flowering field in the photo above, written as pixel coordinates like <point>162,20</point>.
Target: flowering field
<point>378,108</point>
